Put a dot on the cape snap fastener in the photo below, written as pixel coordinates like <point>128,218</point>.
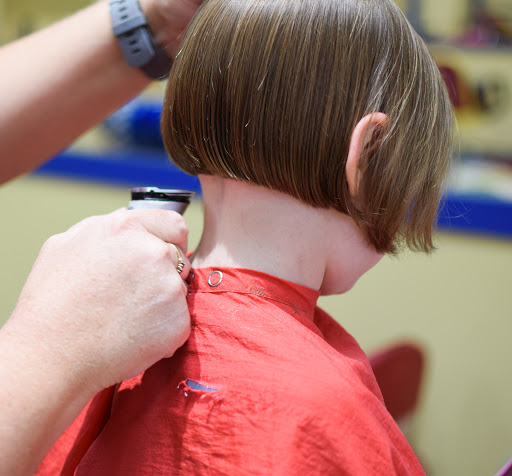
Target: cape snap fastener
<point>190,277</point>
<point>214,285</point>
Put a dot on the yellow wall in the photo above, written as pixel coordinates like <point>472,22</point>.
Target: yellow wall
<point>457,303</point>
<point>23,16</point>
<point>483,131</point>
<point>448,18</point>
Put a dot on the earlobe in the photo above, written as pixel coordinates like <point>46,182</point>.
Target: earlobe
<point>361,137</point>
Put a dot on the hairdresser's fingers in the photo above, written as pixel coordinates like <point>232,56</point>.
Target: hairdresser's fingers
<point>167,229</point>
<point>168,20</point>
<point>167,225</point>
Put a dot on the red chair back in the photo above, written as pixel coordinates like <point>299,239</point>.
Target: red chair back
<point>399,373</point>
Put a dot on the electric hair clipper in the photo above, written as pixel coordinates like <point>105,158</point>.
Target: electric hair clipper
<point>153,197</point>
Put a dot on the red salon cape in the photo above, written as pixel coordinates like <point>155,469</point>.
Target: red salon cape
<point>267,384</point>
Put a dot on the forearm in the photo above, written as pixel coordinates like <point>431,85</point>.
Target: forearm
<point>38,399</point>
<point>60,82</point>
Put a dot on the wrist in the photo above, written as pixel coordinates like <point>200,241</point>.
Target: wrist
<point>38,401</point>
<point>136,40</point>
<point>43,354</point>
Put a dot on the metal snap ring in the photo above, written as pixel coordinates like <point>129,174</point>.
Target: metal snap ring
<point>210,279</point>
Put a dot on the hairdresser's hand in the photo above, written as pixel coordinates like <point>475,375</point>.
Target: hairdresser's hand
<point>104,300</point>
<point>168,20</point>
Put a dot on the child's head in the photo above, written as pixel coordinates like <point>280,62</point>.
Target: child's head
<point>270,92</point>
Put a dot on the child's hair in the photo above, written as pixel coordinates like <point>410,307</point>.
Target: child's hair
<point>269,92</point>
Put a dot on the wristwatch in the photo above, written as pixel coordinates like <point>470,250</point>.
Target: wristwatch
<point>136,40</point>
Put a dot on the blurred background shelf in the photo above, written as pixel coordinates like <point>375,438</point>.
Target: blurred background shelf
<point>122,167</point>
<point>469,207</point>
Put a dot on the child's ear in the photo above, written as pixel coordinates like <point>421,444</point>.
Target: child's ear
<point>361,138</point>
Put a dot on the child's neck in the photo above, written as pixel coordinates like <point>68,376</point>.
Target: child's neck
<point>256,228</point>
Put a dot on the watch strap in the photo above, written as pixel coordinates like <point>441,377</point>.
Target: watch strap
<point>136,40</point>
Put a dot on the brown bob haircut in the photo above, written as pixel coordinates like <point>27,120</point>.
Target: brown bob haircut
<point>269,92</point>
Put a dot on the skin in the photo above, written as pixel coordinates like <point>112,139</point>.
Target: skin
<point>361,137</point>
<point>103,301</point>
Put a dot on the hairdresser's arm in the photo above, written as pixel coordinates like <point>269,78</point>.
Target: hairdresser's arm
<point>59,82</point>
<point>102,303</point>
